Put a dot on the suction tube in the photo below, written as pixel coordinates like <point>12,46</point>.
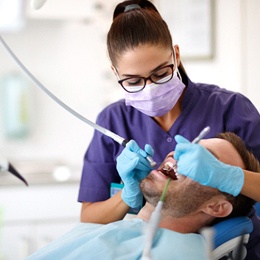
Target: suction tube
<point>99,128</point>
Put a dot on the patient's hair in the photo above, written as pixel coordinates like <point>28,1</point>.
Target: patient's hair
<point>241,204</point>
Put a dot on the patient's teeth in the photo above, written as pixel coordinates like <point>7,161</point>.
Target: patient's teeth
<point>167,166</point>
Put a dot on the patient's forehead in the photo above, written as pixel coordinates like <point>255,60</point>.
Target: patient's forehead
<point>224,151</point>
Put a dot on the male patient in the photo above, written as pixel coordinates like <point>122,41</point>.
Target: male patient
<point>188,207</point>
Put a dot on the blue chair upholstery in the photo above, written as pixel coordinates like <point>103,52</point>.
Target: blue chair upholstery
<point>257,207</point>
<point>228,235</point>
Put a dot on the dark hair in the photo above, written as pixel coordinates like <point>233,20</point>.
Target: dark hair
<point>241,203</point>
<point>134,27</point>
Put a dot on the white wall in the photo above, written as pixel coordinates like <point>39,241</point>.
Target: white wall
<point>225,68</point>
<point>70,59</point>
<point>251,52</point>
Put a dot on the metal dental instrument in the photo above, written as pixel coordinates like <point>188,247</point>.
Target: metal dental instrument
<point>201,135</point>
<point>7,166</point>
<point>99,128</point>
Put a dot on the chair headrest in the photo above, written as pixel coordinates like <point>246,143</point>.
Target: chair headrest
<point>230,228</point>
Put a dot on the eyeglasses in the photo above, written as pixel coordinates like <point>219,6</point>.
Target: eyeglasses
<point>159,76</point>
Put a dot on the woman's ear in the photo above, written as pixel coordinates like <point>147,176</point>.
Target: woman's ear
<point>218,207</point>
<point>114,70</point>
<point>177,54</point>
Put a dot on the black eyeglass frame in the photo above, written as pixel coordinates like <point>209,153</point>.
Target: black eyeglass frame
<point>146,78</point>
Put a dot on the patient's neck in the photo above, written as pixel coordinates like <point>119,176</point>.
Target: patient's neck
<point>145,212</point>
<point>187,224</point>
<point>181,225</point>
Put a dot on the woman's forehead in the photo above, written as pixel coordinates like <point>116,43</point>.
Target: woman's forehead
<point>143,59</point>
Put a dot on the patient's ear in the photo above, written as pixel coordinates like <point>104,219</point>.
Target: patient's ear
<point>218,207</point>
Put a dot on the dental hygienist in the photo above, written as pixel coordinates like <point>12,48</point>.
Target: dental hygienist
<point>160,102</point>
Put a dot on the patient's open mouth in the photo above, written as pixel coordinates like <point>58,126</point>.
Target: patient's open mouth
<point>169,169</point>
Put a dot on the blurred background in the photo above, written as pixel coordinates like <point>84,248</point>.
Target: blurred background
<point>64,45</point>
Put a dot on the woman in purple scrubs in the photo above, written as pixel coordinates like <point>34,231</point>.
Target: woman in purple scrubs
<point>160,102</point>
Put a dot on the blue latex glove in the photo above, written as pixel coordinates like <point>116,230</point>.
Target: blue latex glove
<point>197,163</point>
<point>132,168</point>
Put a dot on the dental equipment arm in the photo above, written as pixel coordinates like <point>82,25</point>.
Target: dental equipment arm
<point>6,166</point>
<point>99,128</point>
<point>196,162</point>
<point>132,168</point>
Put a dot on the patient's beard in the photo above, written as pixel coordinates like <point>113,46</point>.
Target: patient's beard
<point>179,202</point>
<point>187,200</point>
<point>151,194</point>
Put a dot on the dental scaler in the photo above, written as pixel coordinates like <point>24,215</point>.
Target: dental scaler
<point>99,128</point>
<point>201,135</point>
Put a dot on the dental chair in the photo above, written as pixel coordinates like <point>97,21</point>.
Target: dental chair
<point>230,238</point>
<point>257,208</point>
